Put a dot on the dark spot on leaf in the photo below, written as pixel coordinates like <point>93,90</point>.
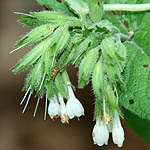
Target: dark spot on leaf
<point>42,36</point>
<point>131,101</point>
<point>145,66</point>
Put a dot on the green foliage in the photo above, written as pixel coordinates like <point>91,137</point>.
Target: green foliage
<point>140,126</point>
<point>99,43</point>
<point>56,6</point>
<point>135,95</point>
<point>79,7</point>
<point>96,10</point>
<point>142,34</point>
<point>49,17</point>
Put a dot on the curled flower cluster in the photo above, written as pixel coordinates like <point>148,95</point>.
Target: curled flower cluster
<point>73,107</point>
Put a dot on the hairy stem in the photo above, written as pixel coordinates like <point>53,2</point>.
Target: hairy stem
<point>127,7</point>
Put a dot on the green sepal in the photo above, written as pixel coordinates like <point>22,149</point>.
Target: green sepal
<point>108,50</point>
<point>113,72</point>
<point>36,35</point>
<point>50,88</point>
<point>63,39</point>
<point>34,78</point>
<point>67,55</point>
<point>98,80</point>
<point>65,77</point>
<point>36,75</point>
<point>98,108</point>
<point>96,10</point>
<point>48,59</point>
<point>31,57</point>
<point>112,100</point>
<point>82,48</point>
<point>86,67</point>
<point>61,86</point>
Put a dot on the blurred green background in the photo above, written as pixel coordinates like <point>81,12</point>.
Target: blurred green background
<point>23,132</point>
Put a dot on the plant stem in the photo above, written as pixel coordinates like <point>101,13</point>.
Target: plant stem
<point>127,7</point>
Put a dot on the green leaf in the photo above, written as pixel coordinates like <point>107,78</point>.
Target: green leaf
<point>140,126</point>
<point>60,85</point>
<point>79,6</point>
<point>87,66</point>
<point>136,93</point>
<point>116,21</point>
<point>142,34</point>
<point>31,57</point>
<point>96,10</point>
<point>56,6</point>
<point>36,35</point>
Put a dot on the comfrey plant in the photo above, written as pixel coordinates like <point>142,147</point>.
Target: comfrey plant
<point>110,49</point>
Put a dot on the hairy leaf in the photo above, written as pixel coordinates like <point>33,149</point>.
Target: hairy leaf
<point>135,96</point>
<point>56,6</point>
<point>142,34</point>
<point>79,6</point>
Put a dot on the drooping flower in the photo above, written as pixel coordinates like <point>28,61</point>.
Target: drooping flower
<point>54,107</point>
<point>117,131</point>
<point>100,133</point>
<point>73,106</point>
<point>63,111</point>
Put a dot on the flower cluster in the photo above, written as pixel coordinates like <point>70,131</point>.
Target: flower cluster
<point>102,128</point>
<point>73,108</point>
<point>74,32</point>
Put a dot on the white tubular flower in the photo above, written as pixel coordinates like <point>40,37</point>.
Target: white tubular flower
<point>117,131</point>
<point>73,106</point>
<point>63,111</point>
<point>54,107</point>
<point>100,133</point>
